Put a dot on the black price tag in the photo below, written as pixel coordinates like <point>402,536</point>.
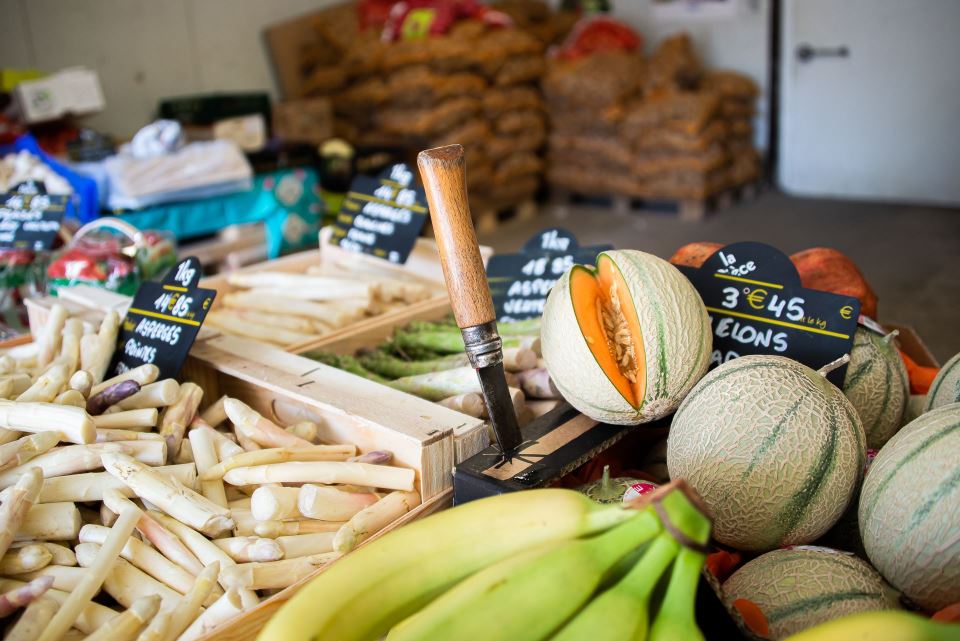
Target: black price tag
<point>382,216</point>
<point>163,321</point>
<point>30,218</point>
<point>758,306</point>
<point>519,283</point>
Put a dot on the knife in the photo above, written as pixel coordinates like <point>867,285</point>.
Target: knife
<point>443,171</point>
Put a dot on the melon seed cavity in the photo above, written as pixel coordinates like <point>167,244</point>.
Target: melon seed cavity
<point>617,333</point>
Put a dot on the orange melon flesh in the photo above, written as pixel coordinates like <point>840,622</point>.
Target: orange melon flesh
<point>590,291</point>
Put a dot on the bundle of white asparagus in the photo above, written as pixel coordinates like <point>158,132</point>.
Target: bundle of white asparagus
<point>427,359</point>
<point>128,514</point>
<point>287,308</point>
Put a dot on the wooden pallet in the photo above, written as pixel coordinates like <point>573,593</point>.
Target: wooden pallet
<point>687,210</point>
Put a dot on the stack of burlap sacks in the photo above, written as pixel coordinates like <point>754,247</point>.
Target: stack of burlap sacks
<point>477,86</point>
<point>660,128</point>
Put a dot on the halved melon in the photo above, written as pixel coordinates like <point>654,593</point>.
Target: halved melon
<point>625,341</point>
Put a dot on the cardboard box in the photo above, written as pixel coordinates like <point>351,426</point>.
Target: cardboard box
<point>308,120</point>
<point>75,91</point>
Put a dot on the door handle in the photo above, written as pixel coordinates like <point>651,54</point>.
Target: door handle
<point>806,53</point>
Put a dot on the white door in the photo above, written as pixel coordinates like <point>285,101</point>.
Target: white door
<point>870,99</point>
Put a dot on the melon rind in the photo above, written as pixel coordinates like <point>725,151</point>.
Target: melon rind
<point>910,509</point>
<point>802,587</point>
<point>945,388</point>
<point>676,338</point>
<point>878,386</point>
<point>774,449</point>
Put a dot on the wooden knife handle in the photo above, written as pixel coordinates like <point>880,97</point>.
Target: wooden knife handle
<point>443,171</point>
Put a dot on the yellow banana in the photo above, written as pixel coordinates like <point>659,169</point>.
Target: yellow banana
<point>363,595</point>
<point>881,625</point>
<point>621,612</point>
<point>526,598</point>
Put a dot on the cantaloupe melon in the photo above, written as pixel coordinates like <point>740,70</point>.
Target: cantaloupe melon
<point>910,509</point>
<point>916,405</point>
<point>798,588</point>
<point>945,388</point>
<point>626,341</point>
<point>772,446</point>
<point>877,385</point>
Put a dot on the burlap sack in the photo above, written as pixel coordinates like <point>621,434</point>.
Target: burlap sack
<point>514,166</point>
<point>659,139</point>
<point>673,65</point>
<point>532,139</point>
<point>599,80</point>
<point>419,85</point>
<point>499,100</point>
<point>660,164</point>
<point>473,132</point>
<point>426,122</point>
<point>520,70</point>
<point>689,112</point>
<point>613,149</point>
<point>730,84</point>
<point>518,122</point>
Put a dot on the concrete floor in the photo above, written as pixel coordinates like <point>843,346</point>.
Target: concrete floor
<point>910,254</point>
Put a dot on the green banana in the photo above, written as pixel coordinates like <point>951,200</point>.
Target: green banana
<point>881,625</point>
<point>363,595</point>
<point>528,597</point>
<point>676,620</point>
<point>621,612</point>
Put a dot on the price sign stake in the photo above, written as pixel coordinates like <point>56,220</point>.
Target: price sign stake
<point>382,216</point>
<point>163,321</point>
<point>519,283</point>
<point>758,306</point>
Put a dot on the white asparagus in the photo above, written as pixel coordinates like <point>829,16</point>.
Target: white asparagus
<point>91,618</point>
<point>123,581</point>
<point>50,522</point>
<point>276,574</point>
<point>243,502</point>
<point>169,495</point>
<point>126,626</point>
<point>94,578</point>
<point>15,510</point>
<point>224,447</point>
<point>111,435</point>
<point>81,381</point>
<point>165,541</point>
<point>156,630</point>
<point>205,550</point>
<point>143,557</point>
<point>307,430</point>
<point>246,443</point>
<point>25,559</point>
<point>205,457</point>
<point>70,345</point>
<point>470,404</point>
<point>330,503</point>
<point>326,473</point>
<point>129,419</point>
<point>71,397</point>
<point>226,607</point>
<point>72,423</point>
<point>297,324</point>
<point>90,486</point>
<point>33,620</point>
<point>65,577</point>
<point>280,455</point>
<point>249,526</point>
<point>61,554</point>
<point>371,520</point>
<point>246,549</point>
<point>74,459</point>
<point>107,516</point>
<point>261,430</point>
<point>26,448</point>
<point>159,394</point>
<point>305,544</point>
<point>48,343</point>
<point>249,329</point>
<point>323,288</point>
<point>334,315</point>
<point>184,453</point>
<point>214,414</point>
<point>538,408</point>
<point>143,374</point>
<point>7,364</point>
<point>519,359</point>
<point>19,598</point>
<point>536,383</point>
<point>275,503</point>
<point>96,350</point>
<point>176,417</point>
<point>187,609</point>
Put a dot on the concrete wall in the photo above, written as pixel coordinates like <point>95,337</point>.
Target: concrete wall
<point>145,50</point>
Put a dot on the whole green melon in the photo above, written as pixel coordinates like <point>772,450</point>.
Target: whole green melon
<point>910,509</point>
<point>877,384</point>
<point>945,388</point>
<point>772,446</point>
<point>798,588</point>
<point>626,340</point>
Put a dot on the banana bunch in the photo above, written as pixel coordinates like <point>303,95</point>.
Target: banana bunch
<point>883,625</point>
<point>527,566</point>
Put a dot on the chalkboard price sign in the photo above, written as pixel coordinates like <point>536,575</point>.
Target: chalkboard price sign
<point>382,216</point>
<point>757,305</point>
<point>519,283</point>
<point>163,321</point>
<point>30,218</point>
